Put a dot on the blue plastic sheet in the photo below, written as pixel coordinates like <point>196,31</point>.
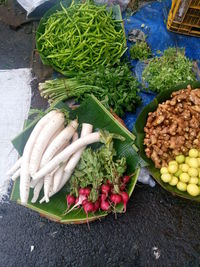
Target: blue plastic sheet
<point>151,19</point>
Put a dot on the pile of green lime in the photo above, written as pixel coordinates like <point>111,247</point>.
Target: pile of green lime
<point>184,173</point>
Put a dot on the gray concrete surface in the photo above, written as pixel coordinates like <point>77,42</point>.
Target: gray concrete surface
<point>157,229</point>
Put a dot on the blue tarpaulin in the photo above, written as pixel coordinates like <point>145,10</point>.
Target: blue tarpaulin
<point>151,19</point>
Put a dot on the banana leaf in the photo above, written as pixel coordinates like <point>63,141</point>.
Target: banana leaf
<point>66,3</point>
<point>90,111</point>
<point>139,131</point>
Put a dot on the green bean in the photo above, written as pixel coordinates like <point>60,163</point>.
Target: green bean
<point>81,37</point>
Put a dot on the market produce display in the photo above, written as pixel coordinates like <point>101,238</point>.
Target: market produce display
<point>116,86</point>
<point>174,128</point>
<point>81,37</point>
<point>60,176</point>
<point>184,173</point>
<point>66,161</point>
<point>172,68</point>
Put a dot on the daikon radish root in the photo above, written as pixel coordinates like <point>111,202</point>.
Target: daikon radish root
<point>43,139</point>
<point>62,139</point>
<point>16,175</point>
<point>37,189</point>
<point>24,173</point>
<point>71,164</point>
<point>59,173</point>
<point>15,167</point>
<point>48,183</point>
<point>48,180</point>
<point>66,154</point>
<point>58,177</point>
<point>56,134</point>
<point>34,182</point>
<point>86,129</point>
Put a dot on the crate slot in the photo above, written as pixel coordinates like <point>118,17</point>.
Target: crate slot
<point>184,17</point>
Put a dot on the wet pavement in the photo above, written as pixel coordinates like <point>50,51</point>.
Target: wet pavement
<point>157,229</point>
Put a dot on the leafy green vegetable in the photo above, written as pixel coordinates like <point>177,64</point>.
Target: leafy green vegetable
<point>3,2</point>
<point>81,37</point>
<point>170,69</point>
<point>115,85</point>
<point>95,168</point>
<point>140,50</point>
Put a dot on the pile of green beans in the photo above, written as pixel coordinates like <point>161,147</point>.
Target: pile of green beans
<point>82,37</point>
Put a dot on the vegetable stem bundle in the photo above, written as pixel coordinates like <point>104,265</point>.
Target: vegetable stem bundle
<point>81,37</point>
<point>117,85</point>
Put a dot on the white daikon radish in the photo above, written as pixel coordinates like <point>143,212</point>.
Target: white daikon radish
<point>15,167</point>
<point>86,129</point>
<point>24,173</point>
<point>66,154</point>
<point>59,173</point>
<point>42,141</point>
<point>37,189</point>
<point>71,164</point>
<point>56,133</point>
<point>16,175</point>
<point>62,139</point>
<point>34,182</point>
<point>48,180</point>
<point>48,183</point>
<point>58,177</point>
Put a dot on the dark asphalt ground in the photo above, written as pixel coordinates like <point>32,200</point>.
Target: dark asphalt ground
<point>157,229</point>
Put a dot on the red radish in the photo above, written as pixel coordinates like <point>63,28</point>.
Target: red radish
<point>105,189</point>
<point>96,206</point>
<point>81,191</point>
<point>109,182</point>
<point>88,207</point>
<point>87,191</point>
<point>103,197</point>
<point>116,199</point>
<point>105,205</point>
<point>125,198</point>
<point>78,202</point>
<point>70,200</point>
<point>84,191</point>
<point>85,201</point>
<point>126,179</point>
<point>122,187</point>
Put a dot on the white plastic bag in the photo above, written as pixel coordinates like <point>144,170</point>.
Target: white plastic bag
<point>123,3</point>
<point>30,6</point>
<point>145,178</point>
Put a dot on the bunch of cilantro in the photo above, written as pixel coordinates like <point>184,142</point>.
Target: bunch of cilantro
<point>171,69</point>
<point>140,50</point>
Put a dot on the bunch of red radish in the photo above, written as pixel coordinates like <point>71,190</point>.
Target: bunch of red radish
<point>108,199</point>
